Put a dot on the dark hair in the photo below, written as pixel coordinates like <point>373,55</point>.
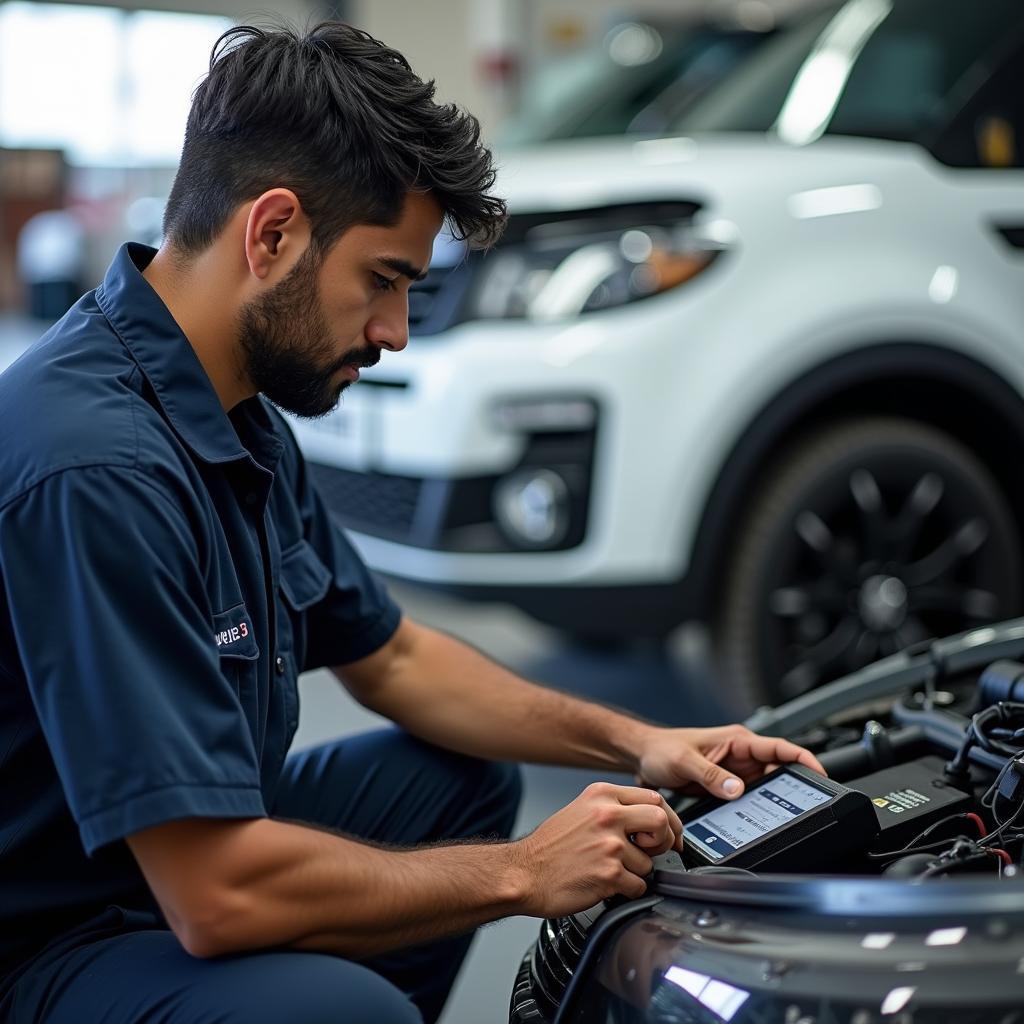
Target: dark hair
<point>337,117</point>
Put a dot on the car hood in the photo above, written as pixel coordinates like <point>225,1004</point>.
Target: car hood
<point>702,168</point>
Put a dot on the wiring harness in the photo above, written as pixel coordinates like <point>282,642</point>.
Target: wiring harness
<point>998,729</point>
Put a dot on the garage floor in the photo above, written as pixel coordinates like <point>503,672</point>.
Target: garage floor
<point>669,685</point>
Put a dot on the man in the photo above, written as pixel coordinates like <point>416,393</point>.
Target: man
<point>167,570</point>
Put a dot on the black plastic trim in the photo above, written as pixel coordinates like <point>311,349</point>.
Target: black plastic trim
<point>1012,234</point>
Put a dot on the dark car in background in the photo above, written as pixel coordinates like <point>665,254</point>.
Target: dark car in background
<point>642,76</point>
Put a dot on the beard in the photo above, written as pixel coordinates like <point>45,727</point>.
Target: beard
<point>288,351</point>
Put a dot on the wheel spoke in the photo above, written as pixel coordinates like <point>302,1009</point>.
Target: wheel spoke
<point>817,659</point>
<point>937,597</point>
<point>981,604</point>
<point>811,529</point>
<point>824,595</point>
<point>913,631</point>
<point>887,644</point>
<point>798,679</point>
<point>789,602</point>
<point>868,499</point>
<point>837,560</point>
<point>863,651</point>
<point>920,504</point>
<point>967,539</point>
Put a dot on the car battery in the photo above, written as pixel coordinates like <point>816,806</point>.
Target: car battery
<point>910,797</point>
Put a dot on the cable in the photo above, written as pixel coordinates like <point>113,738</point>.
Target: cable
<point>997,834</point>
<point>943,866</point>
<point>912,846</point>
<point>1006,858</point>
<point>976,818</point>
<point>1000,717</point>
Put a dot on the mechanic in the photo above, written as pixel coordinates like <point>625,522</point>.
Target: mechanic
<point>167,569</point>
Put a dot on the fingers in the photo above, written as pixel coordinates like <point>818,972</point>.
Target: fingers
<point>636,861</point>
<point>636,795</point>
<point>630,885</point>
<point>713,777</point>
<point>650,826</point>
<point>641,802</point>
<point>773,750</point>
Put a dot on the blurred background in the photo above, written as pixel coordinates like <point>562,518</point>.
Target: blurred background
<point>734,408</point>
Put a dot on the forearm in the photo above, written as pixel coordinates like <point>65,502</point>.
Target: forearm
<point>269,883</point>
<point>445,692</point>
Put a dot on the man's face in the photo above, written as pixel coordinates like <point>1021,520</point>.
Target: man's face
<point>304,341</point>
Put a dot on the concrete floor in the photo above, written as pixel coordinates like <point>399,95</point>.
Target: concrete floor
<point>671,685</point>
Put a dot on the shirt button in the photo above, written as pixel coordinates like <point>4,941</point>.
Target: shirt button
<point>279,665</point>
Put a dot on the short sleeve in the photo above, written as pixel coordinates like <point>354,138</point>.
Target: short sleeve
<point>356,615</point>
<point>102,573</point>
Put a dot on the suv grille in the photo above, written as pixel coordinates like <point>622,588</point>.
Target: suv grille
<point>383,504</point>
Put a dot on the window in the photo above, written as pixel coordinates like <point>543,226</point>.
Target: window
<point>989,130</point>
<point>873,68</point>
<point>109,87</point>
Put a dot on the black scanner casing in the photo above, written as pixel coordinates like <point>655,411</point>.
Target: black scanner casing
<point>823,836</point>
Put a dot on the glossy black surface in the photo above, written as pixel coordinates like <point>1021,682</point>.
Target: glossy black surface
<point>703,961</point>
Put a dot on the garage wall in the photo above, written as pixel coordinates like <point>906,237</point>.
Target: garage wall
<point>441,41</point>
<point>241,10</point>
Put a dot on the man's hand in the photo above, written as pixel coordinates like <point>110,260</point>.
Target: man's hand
<point>721,759</point>
<point>598,846</point>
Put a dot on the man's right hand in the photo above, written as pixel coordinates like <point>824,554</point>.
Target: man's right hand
<point>584,854</point>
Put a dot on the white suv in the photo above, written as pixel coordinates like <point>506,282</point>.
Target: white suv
<point>768,373</point>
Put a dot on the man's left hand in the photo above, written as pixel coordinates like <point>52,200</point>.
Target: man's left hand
<point>721,760</point>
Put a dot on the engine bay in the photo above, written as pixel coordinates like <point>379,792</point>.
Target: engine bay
<point>943,765</point>
<point>927,747</point>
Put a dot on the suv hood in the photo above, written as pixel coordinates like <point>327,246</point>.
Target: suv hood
<point>582,174</point>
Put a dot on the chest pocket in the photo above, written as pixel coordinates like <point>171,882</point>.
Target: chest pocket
<point>304,582</point>
<point>233,634</point>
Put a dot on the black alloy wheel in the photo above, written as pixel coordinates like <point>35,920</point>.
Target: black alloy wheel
<point>867,537</point>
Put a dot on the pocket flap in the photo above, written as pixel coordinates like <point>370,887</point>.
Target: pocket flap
<point>304,578</point>
<point>233,634</point>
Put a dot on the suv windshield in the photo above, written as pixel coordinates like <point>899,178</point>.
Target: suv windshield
<point>890,69</point>
<point>639,80</point>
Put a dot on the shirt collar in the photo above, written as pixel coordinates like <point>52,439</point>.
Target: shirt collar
<point>171,366</point>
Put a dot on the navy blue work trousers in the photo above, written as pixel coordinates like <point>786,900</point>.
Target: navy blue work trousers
<point>385,786</point>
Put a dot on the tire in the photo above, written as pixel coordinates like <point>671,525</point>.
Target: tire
<point>869,536</point>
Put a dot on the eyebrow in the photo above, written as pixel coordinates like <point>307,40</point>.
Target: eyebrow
<point>403,267</point>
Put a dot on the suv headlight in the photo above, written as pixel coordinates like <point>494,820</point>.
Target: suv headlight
<point>562,267</point>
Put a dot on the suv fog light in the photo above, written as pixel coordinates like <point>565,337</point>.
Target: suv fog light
<point>532,507</point>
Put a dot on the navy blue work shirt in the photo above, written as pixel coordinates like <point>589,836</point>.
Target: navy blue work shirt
<point>166,571</point>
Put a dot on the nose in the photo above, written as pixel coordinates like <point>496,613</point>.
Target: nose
<point>389,327</point>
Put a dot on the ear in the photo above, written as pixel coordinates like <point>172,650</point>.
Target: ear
<point>277,232</point>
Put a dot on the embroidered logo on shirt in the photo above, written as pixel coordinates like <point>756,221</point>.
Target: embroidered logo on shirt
<point>232,635</point>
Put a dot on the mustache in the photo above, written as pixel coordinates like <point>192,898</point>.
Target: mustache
<point>365,357</point>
